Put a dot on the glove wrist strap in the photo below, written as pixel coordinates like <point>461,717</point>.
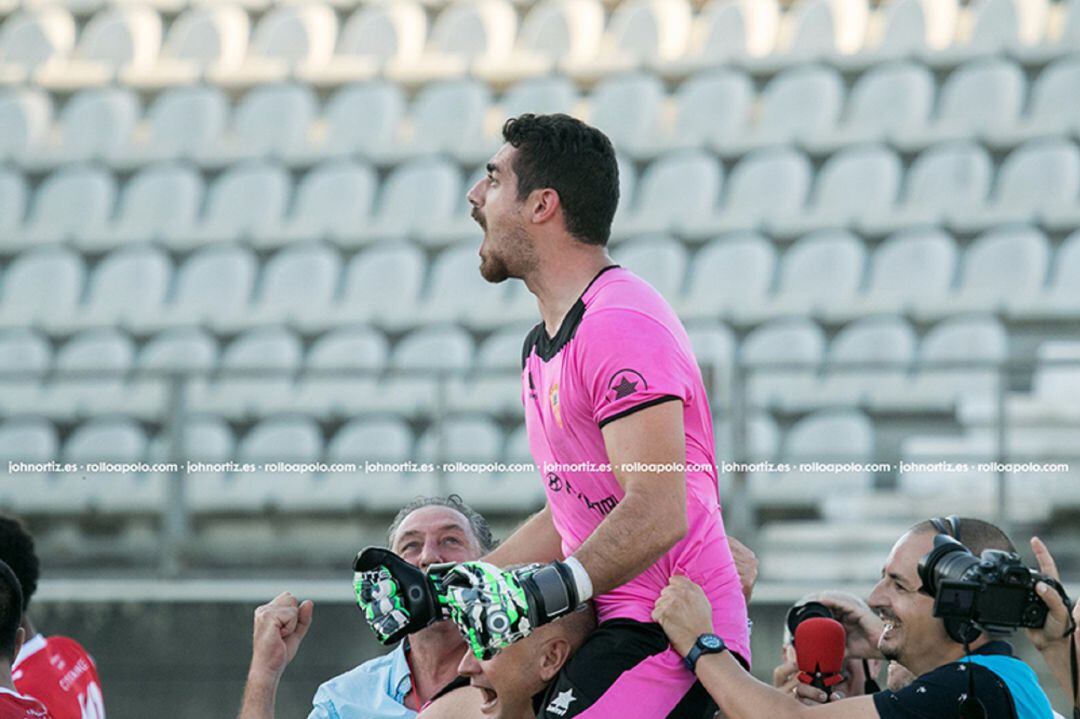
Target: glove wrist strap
<point>582,580</point>
<point>555,591</point>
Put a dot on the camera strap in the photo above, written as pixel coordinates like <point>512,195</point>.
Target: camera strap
<point>870,686</point>
<point>1072,671</point>
<point>971,707</point>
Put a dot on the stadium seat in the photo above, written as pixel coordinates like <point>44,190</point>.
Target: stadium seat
<point>155,200</point>
<point>781,342</point>
<point>361,118</point>
<point>543,95</point>
<point>940,179</point>
<point>911,266</point>
<point>178,355</point>
<point>424,362</point>
<point>289,438</point>
<point>1039,179</point>
<point>1004,263</point>
<point>257,379</point>
<point>91,377</point>
<point>973,345</point>
<point>180,123</point>
<point>1060,39</point>
<point>128,283</point>
<point>822,269</point>
<point>473,440</point>
<point>26,116</point>
<point>552,30</point>
<point>628,107</point>
<point>92,125</point>
<point>41,284</point>
<point>68,199</point>
<point>494,385</point>
<point>904,29</point>
<point>340,371</point>
<point>852,184</point>
<point>993,27</point>
<point>299,281</point>
<point>211,282</point>
<point>124,37</point>
<point>460,227</point>
<point>762,442</point>
<point>1054,110</point>
<point>33,38</point>
<point>728,274</point>
<point>288,37</point>
<point>640,32</point>
<point>246,198</point>
<point>726,31</point>
<point>977,99</point>
<point>419,193</point>
<point>385,441</point>
<point>446,117</point>
<point>674,188</point>
<point>660,261</point>
<point>114,440</point>
<point>27,439</point>
<point>13,198</point>
<point>763,184</point>
<point>382,286</point>
<point>207,35</point>
<point>271,121</point>
<point>373,35</point>
<point>884,101</point>
<point>202,439</point>
<point>814,30</point>
<point>529,494</point>
<point>25,357</point>
<point>462,34</point>
<point>714,348</point>
<point>801,102</point>
<point>1061,298</point>
<point>455,289</point>
<point>710,106</point>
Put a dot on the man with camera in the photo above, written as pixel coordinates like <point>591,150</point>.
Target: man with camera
<point>938,610</point>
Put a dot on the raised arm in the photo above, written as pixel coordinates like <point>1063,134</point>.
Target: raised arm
<point>534,541</point>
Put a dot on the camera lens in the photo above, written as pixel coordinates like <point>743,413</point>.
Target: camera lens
<point>947,560</point>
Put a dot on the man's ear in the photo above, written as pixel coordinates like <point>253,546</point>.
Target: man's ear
<point>553,656</point>
<point>20,637</point>
<point>544,204</point>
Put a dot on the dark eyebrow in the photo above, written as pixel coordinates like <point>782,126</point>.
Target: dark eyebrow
<point>492,168</point>
<point>898,579</point>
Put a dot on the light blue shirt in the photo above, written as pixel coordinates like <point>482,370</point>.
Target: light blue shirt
<point>374,690</point>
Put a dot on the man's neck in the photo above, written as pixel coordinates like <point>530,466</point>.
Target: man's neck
<point>559,283</point>
<point>5,676</point>
<point>434,655</point>
<point>952,652</point>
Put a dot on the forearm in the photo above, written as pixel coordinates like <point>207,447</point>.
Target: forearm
<point>1056,656</point>
<point>633,537</point>
<point>534,541</point>
<point>260,696</point>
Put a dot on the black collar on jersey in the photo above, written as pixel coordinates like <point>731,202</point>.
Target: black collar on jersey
<point>548,347</point>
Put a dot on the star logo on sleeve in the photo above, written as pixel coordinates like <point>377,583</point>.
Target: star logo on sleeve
<point>626,382</point>
<point>561,704</point>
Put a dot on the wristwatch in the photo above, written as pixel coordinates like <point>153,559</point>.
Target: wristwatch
<point>705,644</point>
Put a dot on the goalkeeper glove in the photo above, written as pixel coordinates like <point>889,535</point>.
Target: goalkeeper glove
<point>396,597</point>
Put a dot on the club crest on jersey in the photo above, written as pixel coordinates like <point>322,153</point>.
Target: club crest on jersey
<point>561,704</point>
<point>553,396</point>
<point>624,383</point>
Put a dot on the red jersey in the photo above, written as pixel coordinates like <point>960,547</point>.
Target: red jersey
<point>59,673</point>
<point>16,706</point>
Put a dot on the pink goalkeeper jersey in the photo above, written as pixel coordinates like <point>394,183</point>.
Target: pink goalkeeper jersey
<point>620,349</point>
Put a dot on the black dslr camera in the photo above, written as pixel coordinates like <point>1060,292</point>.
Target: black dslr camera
<point>994,593</point>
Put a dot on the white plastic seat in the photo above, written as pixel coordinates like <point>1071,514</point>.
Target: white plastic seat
<point>763,184</point>
<point>781,342</point>
<point>456,290</point>
<point>710,106</point>
<point>494,386</point>
<point>674,188</point>
<point>714,349</point>
<point>34,440</point>
<point>258,368</point>
<point>822,269</point>
<point>180,123</point>
<point>979,342</point>
<point>68,199</point>
<point>211,282</point>
<point>207,35</point>
<point>14,194</point>
<point>419,193</point>
<point>271,121</point>
<point>801,102</point>
<point>977,99</point>
<point>886,100</point>
<point>904,29</point>
<point>174,356</point>
<point>127,36</point>
<point>25,357</point>
<point>640,32</point>
<point>628,108</point>
<point>1054,110</point>
<point>282,439</point>
<point>114,440</point>
<point>382,285</point>
<point>341,369</point>
<point>26,117</point>
<point>40,285</point>
<point>540,96</point>
<point>995,26</point>
<point>243,200</point>
<point>852,184</point>
<point>1001,264</point>
<point>528,483</point>
<point>92,125</point>
<point>296,282</point>
<point>203,440</point>
<point>426,361</point>
<point>660,261</point>
<point>33,38</point>
<point>447,117</point>
<point>92,375</point>
<point>729,273</point>
<point>127,283</point>
<point>361,118</point>
<point>1039,179</point>
<point>552,30</point>
<point>1061,298</point>
<point>1060,39</point>
<point>816,29</point>
<point>472,440</point>
<point>911,266</point>
<point>940,179</point>
<point>287,439</point>
<point>288,37</point>
<point>463,33</point>
<point>154,201</point>
<point>725,31</point>
<point>762,442</point>
<point>381,441</point>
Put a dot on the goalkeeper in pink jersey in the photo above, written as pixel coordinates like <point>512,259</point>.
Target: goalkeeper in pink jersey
<point>620,428</point>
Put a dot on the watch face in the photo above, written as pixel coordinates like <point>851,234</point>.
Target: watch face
<point>711,642</point>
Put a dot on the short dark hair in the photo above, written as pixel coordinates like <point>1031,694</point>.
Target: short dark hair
<point>11,611</point>
<point>17,551</point>
<point>975,534</point>
<point>479,525</point>
<point>575,160</point>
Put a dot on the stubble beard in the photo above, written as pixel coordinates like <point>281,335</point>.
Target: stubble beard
<point>516,259</point>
